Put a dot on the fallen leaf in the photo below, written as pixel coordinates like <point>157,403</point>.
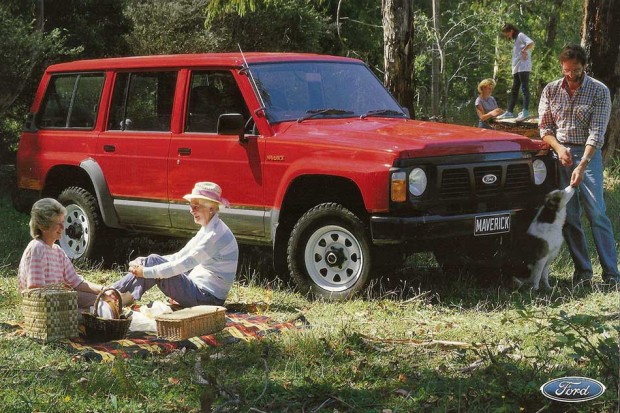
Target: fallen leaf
<point>173,380</point>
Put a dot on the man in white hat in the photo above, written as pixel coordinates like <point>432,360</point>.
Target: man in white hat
<point>203,271</point>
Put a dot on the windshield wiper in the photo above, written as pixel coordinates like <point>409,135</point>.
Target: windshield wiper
<point>318,112</point>
<point>382,112</point>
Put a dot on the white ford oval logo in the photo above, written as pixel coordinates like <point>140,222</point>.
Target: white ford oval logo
<point>572,389</point>
<point>489,179</point>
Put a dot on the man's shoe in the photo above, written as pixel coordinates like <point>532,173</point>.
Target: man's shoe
<point>506,115</point>
<point>582,279</point>
<point>524,114</point>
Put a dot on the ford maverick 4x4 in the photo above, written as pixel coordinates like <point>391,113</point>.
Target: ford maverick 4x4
<point>318,160</point>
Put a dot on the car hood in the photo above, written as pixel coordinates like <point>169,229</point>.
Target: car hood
<point>404,137</point>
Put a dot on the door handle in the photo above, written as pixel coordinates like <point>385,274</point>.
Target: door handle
<point>184,151</point>
<point>109,148</point>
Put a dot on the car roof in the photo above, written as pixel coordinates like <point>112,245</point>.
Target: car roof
<point>190,60</point>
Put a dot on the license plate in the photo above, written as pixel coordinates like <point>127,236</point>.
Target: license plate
<point>492,224</point>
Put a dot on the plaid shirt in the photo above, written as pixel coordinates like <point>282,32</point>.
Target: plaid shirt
<point>580,119</point>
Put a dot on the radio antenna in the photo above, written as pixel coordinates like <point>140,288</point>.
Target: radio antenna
<point>246,68</point>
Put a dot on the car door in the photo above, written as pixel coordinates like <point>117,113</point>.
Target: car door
<point>133,150</point>
<point>199,153</point>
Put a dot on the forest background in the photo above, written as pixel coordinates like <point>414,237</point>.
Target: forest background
<point>430,53</point>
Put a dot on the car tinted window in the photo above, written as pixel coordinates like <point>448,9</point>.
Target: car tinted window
<point>212,93</point>
<point>142,101</point>
<point>71,101</point>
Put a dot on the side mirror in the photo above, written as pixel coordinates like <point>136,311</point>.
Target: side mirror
<point>232,124</point>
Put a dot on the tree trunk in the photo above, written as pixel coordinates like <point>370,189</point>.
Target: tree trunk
<point>552,23</point>
<point>398,52</point>
<point>437,61</point>
<point>601,39</point>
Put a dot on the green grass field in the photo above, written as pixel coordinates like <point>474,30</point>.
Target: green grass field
<point>416,341</point>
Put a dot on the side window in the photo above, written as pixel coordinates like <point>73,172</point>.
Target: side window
<point>142,101</point>
<point>211,94</point>
<point>71,101</point>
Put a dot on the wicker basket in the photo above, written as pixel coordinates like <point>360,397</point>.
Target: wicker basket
<point>191,322</point>
<point>50,312</point>
<point>102,329</point>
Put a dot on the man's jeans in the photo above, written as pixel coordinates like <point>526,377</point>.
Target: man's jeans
<point>590,196</point>
<point>180,288</point>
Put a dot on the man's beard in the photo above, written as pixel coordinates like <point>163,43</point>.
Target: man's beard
<point>577,79</point>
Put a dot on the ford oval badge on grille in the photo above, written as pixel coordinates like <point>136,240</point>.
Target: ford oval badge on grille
<point>572,389</point>
<point>489,179</point>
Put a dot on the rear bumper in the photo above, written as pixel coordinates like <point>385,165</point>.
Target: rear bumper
<point>391,229</point>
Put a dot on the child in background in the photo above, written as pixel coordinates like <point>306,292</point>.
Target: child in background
<point>486,105</point>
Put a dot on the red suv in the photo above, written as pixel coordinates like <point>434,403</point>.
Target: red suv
<point>318,160</point>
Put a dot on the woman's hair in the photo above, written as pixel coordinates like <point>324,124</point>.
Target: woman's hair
<point>573,51</point>
<point>508,27</point>
<point>42,215</point>
<point>215,205</point>
<point>485,82</point>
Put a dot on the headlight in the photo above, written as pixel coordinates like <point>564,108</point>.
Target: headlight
<point>417,182</point>
<point>540,171</point>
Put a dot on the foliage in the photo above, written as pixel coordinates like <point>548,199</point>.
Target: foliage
<point>166,27</point>
<point>593,338</point>
<point>96,26</point>
<point>294,25</point>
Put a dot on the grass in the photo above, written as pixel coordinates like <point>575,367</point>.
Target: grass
<point>416,341</point>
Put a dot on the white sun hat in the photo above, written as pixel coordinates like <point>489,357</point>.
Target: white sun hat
<point>209,191</point>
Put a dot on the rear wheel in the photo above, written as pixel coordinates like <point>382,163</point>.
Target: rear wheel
<point>82,223</point>
<point>329,252</point>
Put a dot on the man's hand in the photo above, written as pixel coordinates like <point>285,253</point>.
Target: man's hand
<point>577,176</point>
<point>564,155</point>
<point>137,270</point>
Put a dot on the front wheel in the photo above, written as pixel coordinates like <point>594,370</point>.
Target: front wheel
<point>82,223</point>
<point>329,252</point>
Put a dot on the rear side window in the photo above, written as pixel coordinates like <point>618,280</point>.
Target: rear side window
<point>71,101</point>
<point>142,101</point>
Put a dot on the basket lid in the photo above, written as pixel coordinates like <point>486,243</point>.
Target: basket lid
<point>190,312</point>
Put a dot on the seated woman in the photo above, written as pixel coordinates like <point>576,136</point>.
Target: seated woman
<point>486,106</point>
<point>44,262</point>
<point>203,271</point>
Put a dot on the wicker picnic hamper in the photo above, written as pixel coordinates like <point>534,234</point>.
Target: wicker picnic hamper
<point>102,329</point>
<point>50,312</point>
<point>191,322</point>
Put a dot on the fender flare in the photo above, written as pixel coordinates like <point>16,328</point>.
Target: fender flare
<point>102,192</point>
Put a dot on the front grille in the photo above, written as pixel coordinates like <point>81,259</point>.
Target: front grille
<point>484,181</point>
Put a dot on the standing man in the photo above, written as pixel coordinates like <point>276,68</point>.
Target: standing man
<point>574,112</point>
<point>521,68</point>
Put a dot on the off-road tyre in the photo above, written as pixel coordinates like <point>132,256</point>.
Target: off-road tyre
<point>328,253</point>
<point>83,224</point>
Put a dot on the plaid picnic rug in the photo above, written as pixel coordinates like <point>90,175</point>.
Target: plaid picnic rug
<point>239,327</point>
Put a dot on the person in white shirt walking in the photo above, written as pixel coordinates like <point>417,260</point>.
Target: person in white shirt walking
<point>203,271</point>
<point>521,68</point>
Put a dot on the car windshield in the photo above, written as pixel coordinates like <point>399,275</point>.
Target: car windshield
<point>303,91</point>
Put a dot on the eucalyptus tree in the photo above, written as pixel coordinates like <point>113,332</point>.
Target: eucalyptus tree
<point>601,38</point>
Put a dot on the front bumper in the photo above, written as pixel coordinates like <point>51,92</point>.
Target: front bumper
<point>396,229</point>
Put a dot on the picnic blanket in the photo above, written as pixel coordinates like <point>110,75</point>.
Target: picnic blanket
<point>239,327</point>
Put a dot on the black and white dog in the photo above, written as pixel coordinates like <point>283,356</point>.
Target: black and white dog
<point>544,237</point>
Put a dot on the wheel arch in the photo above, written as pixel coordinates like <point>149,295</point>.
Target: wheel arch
<point>305,192</point>
<point>87,175</point>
